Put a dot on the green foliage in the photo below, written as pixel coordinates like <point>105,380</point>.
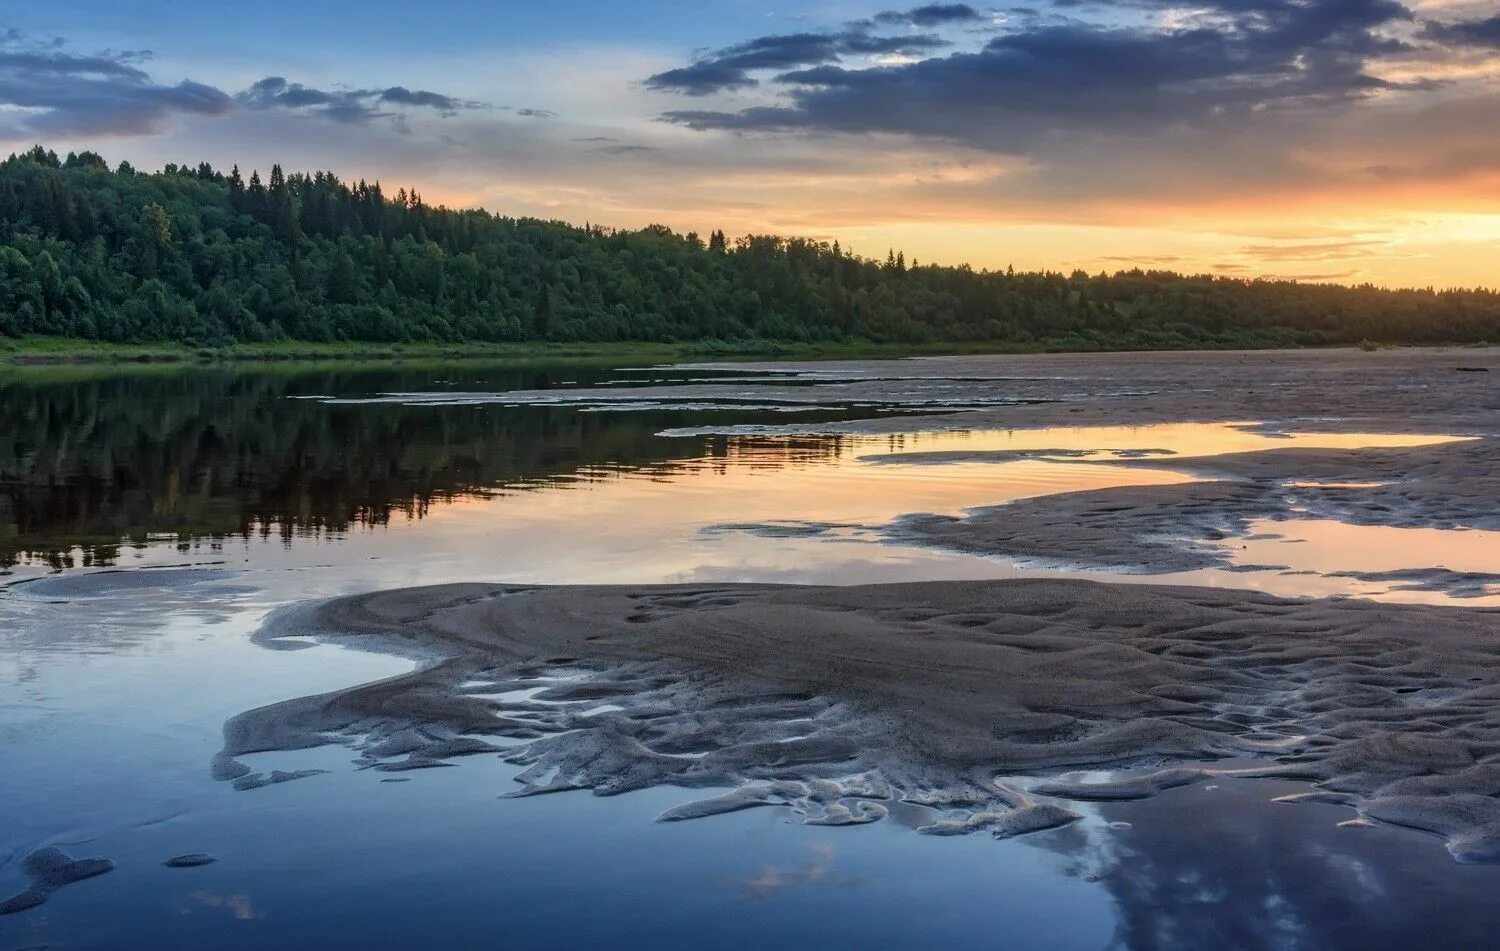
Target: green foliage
<point>191,256</point>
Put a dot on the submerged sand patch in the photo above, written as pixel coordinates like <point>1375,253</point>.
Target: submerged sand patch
<point>1181,527</point>
<point>836,701</point>
<point>49,869</point>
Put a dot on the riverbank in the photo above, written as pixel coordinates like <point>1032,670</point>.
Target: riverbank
<point>46,351</point>
<point>49,351</point>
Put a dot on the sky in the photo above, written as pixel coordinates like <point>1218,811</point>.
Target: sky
<point>1324,140</point>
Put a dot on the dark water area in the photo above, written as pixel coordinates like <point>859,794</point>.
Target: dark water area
<point>280,484</point>
<point>93,460</point>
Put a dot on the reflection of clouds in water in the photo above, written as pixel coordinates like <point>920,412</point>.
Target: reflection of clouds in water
<point>1226,867</point>
<point>772,880</point>
<point>153,582</point>
<point>805,564</point>
<point>238,905</point>
<point>101,610</point>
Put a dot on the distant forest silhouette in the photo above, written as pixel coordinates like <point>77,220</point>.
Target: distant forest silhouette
<point>191,254</point>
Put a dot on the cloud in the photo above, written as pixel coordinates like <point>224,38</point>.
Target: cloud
<point>701,79</point>
<point>52,91</point>
<point>401,96</point>
<point>1482,33</point>
<point>1327,276</point>
<point>626,149</point>
<point>1315,250</point>
<point>347,105</point>
<point>1024,86</point>
<point>1151,260</point>
<point>931,15</point>
<point>1452,164</point>
<point>49,90</point>
<point>730,68</point>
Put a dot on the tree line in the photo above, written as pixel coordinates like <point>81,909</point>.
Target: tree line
<point>193,254</point>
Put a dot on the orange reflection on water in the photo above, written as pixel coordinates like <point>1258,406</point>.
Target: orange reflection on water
<point>609,525</point>
<point>646,524</point>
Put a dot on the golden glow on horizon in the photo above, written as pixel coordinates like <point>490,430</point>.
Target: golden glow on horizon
<point>1347,222</point>
<point>1450,242</point>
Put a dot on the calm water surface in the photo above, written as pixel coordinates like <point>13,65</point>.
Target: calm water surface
<point>296,483</point>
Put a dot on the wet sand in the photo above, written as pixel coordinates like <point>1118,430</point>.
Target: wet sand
<point>836,701</point>
<point>1404,390</point>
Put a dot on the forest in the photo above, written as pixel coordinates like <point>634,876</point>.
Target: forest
<point>192,254</point>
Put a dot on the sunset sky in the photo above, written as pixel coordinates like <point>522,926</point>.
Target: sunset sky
<point>1343,140</point>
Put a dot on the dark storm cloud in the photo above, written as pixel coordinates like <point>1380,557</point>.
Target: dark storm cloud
<point>1046,79</point>
<point>730,67</point>
<point>892,45</point>
<point>1484,33</point>
<point>933,14</point>
<point>347,105</point>
<point>66,93</point>
<point>701,79</point>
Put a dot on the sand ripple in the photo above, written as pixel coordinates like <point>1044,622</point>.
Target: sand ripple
<point>836,701</point>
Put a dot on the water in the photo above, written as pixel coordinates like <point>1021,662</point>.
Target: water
<point>293,483</point>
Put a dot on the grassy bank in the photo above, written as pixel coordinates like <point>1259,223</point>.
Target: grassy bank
<point>42,351</point>
<point>54,351</point>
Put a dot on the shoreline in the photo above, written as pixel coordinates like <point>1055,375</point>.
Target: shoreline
<point>45,351</point>
<point>57,351</point>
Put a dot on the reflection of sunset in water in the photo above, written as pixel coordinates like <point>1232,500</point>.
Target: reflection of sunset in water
<point>1353,558</point>
<point>825,496</point>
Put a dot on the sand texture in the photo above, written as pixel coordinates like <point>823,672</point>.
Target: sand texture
<point>1406,390</point>
<point>836,701</point>
<point>1149,529</point>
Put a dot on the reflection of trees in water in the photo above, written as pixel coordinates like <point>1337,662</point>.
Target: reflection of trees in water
<point>1227,868</point>
<point>92,461</point>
